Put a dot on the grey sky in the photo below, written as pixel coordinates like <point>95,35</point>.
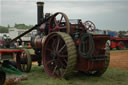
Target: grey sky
<point>106,14</point>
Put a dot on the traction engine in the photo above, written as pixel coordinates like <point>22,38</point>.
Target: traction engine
<point>63,45</point>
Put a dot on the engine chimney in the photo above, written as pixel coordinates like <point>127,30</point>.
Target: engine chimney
<point>40,14</point>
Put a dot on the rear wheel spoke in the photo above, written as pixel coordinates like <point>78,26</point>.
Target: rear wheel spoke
<point>50,50</point>
<point>54,70</point>
<point>62,63</point>
<point>58,43</point>
<point>62,55</point>
<point>62,48</point>
<point>51,62</point>
<point>53,44</point>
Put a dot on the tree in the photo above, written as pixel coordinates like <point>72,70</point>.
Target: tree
<point>3,29</point>
<point>23,26</point>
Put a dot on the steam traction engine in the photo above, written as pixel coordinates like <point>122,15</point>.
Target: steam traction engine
<point>63,46</point>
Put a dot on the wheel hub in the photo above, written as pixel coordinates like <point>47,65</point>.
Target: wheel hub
<point>54,55</point>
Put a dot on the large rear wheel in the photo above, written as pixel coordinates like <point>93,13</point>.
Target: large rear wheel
<point>59,55</point>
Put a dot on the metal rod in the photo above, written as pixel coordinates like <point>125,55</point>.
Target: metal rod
<point>35,27</point>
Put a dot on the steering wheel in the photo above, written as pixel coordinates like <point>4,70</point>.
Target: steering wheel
<point>90,26</point>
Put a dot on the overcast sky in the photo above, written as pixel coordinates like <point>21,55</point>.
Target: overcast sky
<point>106,14</point>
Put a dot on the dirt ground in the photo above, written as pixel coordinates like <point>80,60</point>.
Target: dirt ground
<point>119,59</point>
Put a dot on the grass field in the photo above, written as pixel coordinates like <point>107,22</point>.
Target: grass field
<point>113,76</point>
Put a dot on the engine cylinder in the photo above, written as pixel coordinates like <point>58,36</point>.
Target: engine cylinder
<point>37,42</point>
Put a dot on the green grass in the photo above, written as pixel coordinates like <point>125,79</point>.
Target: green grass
<point>115,50</point>
<point>112,76</point>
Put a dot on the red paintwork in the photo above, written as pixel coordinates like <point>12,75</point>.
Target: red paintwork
<point>38,43</point>
<point>1,41</point>
<point>116,38</point>
<point>113,44</point>
<point>51,54</point>
<point>86,65</point>
<point>10,51</point>
<point>115,41</point>
<point>99,43</point>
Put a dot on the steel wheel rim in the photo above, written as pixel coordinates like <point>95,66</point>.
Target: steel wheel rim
<point>58,66</point>
<point>55,57</point>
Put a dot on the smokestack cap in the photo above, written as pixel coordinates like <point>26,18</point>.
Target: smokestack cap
<point>40,3</point>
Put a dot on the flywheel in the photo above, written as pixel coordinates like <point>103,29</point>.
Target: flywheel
<point>59,55</point>
<point>59,23</point>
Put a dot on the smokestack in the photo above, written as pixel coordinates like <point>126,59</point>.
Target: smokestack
<point>40,13</point>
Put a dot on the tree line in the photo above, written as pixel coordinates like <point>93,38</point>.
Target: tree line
<point>4,29</point>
